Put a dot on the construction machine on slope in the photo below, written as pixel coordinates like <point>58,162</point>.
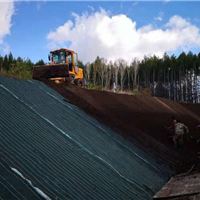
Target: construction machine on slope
<point>63,67</point>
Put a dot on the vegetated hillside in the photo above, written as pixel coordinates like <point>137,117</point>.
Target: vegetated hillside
<point>143,118</point>
<point>51,149</point>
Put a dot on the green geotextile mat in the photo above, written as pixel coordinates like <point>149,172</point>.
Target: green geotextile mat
<point>50,149</point>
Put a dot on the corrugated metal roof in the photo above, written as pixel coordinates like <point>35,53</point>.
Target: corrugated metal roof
<point>64,152</point>
<point>181,187</point>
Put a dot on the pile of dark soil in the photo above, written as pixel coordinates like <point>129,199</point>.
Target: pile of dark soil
<point>142,120</point>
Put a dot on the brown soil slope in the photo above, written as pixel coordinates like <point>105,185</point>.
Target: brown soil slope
<point>141,119</point>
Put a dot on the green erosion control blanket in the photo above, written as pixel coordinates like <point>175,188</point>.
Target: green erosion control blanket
<point>50,149</point>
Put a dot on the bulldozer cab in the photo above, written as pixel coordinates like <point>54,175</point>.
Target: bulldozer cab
<point>58,57</point>
<point>64,56</point>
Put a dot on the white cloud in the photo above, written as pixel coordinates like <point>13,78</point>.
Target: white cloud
<point>5,48</point>
<point>113,37</point>
<point>159,17</point>
<point>6,13</point>
<point>39,4</point>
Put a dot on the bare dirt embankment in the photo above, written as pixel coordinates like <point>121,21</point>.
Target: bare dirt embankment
<point>141,118</point>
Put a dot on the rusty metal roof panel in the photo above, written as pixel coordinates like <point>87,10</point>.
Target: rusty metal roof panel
<point>179,187</point>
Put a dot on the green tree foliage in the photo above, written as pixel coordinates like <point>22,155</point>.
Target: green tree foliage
<point>19,68</point>
<point>40,62</point>
<point>80,64</point>
<point>176,78</point>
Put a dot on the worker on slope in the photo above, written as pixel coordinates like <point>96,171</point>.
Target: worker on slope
<point>180,129</point>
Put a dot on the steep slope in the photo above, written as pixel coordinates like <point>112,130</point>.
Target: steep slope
<point>51,149</point>
<point>140,118</point>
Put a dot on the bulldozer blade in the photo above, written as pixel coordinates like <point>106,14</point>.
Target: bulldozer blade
<point>50,71</point>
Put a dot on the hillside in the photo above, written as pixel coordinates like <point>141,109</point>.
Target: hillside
<point>142,120</point>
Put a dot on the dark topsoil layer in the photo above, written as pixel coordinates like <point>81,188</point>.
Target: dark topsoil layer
<point>142,119</point>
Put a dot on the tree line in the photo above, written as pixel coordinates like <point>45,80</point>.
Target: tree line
<point>17,67</point>
<point>175,78</point>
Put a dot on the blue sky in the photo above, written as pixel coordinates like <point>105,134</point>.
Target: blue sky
<point>33,21</point>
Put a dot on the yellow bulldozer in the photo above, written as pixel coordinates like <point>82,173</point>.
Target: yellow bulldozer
<point>63,67</point>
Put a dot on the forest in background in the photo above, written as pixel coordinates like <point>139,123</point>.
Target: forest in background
<point>17,67</point>
<point>175,78</point>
